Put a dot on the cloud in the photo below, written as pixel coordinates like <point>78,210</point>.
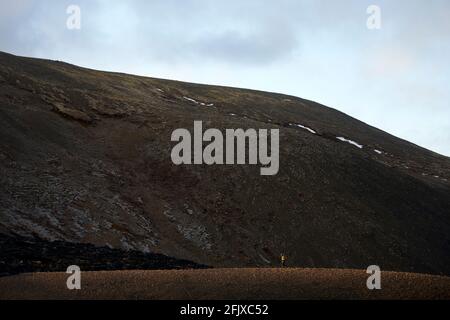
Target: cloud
<point>234,47</point>
<point>14,9</point>
<point>320,50</point>
<point>391,62</point>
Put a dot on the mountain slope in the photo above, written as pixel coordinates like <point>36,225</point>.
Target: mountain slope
<point>85,157</point>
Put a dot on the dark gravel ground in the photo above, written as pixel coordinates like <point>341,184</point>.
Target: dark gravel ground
<point>225,284</point>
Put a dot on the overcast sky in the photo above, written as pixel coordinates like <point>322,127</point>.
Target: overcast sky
<point>396,78</point>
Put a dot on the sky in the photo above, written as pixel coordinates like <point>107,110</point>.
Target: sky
<point>396,77</point>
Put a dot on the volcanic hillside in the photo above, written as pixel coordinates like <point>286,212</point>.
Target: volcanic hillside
<point>85,158</point>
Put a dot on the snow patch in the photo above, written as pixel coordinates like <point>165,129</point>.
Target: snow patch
<point>356,144</point>
<point>305,128</point>
<point>378,151</point>
<point>191,100</point>
<point>199,103</point>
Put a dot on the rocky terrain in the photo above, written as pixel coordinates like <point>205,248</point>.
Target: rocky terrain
<point>85,158</point>
<point>24,255</point>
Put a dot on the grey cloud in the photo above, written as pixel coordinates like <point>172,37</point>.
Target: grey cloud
<point>249,49</point>
<point>317,49</point>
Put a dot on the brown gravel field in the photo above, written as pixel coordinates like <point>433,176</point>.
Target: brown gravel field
<point>217,284</point>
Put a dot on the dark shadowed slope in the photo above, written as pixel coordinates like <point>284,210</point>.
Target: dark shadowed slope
<point>26,255</point>
<point>85,157</point>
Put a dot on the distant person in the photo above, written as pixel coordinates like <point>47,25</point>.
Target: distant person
<point>283,260</point>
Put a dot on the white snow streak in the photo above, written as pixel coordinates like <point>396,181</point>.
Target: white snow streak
<point>197,102</point>
<point>356,144</point>
<point>306,128</point>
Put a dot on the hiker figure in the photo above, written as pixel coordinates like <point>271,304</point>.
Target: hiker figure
<point>283,260</point>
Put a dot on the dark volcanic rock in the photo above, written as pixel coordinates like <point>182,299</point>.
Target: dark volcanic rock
<point>20,255</point>
<point>73,114</point>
